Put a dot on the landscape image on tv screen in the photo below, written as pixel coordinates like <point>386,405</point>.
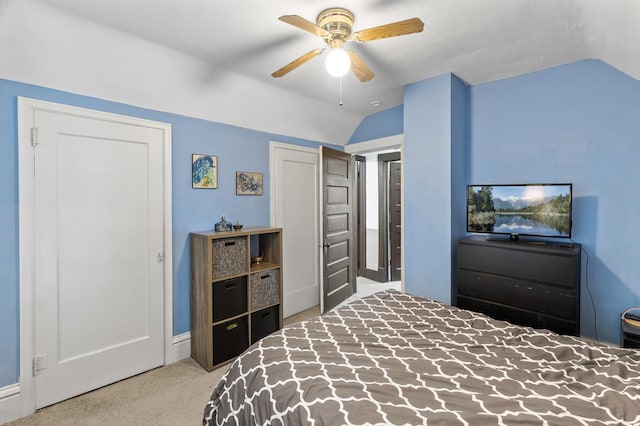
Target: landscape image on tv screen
<point>538,210</point>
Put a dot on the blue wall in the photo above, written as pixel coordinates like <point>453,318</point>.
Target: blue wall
<point>435,122</point>
<point>9,298</point>
<point>237,149</point>
<point>460,93</point>
<point>577,123</point>
<point>379,125</point>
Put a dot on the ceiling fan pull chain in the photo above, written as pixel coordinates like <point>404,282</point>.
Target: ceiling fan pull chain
<point>340,78</point>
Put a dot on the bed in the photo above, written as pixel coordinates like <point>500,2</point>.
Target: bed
<point>396,359</point>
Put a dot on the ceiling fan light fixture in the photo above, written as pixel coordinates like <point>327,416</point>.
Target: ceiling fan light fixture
<point>334,26</point>
<point>338,62</point>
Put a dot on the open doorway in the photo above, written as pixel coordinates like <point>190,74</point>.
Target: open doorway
<point>295,170</point>
<point>379,191</point>
<point>379,215</point>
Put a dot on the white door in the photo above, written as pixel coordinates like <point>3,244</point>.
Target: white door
<point>98,238</point>
<point>294,192</point>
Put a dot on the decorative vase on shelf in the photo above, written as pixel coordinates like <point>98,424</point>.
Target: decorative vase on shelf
<point>258,258</point>
<point>223,225</point>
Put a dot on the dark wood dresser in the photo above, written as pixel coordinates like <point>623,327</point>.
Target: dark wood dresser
<point>527,283</point>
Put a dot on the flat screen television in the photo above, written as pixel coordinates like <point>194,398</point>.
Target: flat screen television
<point>538,210</point>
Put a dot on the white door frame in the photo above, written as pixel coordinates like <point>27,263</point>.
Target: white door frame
<point>26,110</point>
<point>390,142</point>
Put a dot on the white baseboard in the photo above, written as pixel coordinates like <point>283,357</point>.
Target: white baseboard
<point>9,403</point>
<point>181,346</point>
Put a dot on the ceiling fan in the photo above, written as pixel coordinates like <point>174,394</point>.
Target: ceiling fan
<point>334,26</point>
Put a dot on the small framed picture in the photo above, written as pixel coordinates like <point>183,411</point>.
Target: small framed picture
<point>248,183</point>
<point>204,171</point>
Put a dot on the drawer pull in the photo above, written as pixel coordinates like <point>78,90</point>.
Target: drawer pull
<point>230,243</point>
<point>232,326</point>
<point>264,277</point>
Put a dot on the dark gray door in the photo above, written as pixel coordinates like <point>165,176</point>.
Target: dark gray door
<point>361,214</point>
<point>338,232</point>
<point>395,224</point>
<point>388,203</point>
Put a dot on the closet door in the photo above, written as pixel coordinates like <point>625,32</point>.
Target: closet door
<point>98,287</point>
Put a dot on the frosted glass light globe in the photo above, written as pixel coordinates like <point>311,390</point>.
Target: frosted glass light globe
<point>338,62</point>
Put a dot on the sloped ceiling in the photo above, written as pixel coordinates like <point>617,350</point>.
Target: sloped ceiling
<point>221,53</point>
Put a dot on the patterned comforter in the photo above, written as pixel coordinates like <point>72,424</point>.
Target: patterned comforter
<point>397,359</point>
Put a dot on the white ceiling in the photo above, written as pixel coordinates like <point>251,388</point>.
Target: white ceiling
<point>478,40</point>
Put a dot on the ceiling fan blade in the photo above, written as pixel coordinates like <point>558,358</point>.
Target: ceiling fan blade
<point>359,68</point>
<point>408,26</point>
<point>300,22</point>
<point>296,63</point>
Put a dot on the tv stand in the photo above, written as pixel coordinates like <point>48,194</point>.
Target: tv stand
<point>536,285</point>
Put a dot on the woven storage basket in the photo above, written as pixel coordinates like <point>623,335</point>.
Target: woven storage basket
<point>265,289</point>
<point>229,257</point>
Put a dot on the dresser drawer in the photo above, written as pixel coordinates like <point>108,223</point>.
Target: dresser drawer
<point>518,316</point>
<point>537,266</point>
<point>545,299</point>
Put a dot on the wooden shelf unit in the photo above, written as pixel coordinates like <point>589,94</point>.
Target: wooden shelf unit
<point>233,303</point>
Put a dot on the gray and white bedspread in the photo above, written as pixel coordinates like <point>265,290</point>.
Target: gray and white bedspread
<point>396,359</point>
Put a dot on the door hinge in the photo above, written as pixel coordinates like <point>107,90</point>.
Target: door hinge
<point>39,363</point>
<point>160,257</point>
<point>34,136</point>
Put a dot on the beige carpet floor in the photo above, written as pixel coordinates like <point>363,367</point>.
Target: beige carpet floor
<point>171,395</point>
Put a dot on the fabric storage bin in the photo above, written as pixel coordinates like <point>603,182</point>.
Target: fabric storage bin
<point>230,339</point>
<point>265,289</point>
<point>264,322</point>
<point>229,298</point>
<point>229,257</point>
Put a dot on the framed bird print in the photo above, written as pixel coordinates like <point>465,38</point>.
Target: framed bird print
<point>248,183</point>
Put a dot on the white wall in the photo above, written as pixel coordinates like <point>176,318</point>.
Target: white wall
<point>372,211</point>
<point>43,46</point>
